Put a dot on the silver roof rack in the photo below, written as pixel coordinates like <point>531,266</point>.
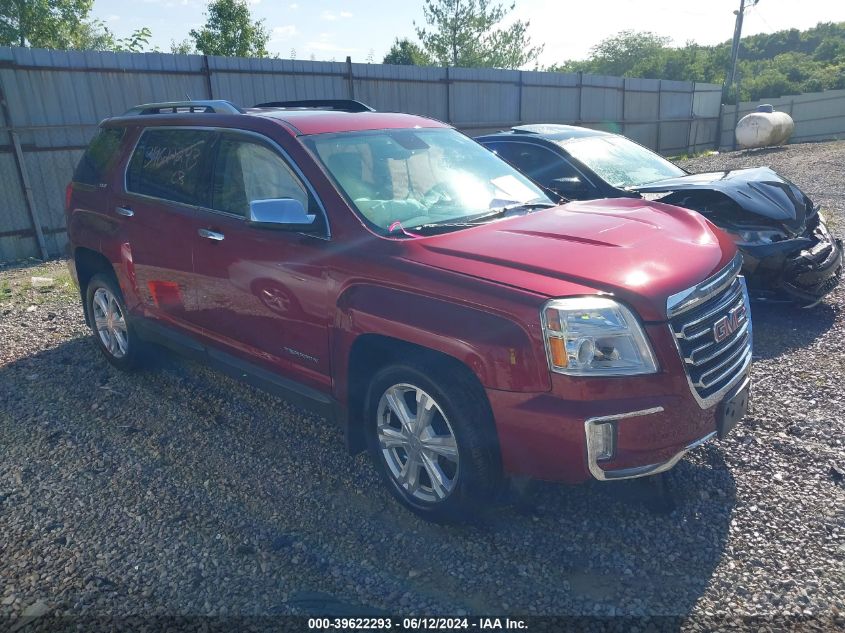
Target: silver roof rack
<point>341,105</point>
<point>210,106</point>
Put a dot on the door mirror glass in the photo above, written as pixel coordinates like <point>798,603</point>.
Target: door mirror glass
<point>283,214</point>
<point>570,187</point>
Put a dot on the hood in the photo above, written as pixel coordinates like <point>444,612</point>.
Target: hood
<point>759,191</point>
<point>640,251</point>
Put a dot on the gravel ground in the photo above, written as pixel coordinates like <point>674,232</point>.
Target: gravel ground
<point>177,491</point>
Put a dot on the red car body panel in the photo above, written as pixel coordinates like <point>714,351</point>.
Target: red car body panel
<point>296,304</point>
<point>626,247</point>
<point>542,435</point>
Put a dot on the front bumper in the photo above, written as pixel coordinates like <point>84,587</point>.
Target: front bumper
<point>643,424</point>
<point>804,269</point>
<point>632,472</point>
<point>546,437</point>
<point>594,460</point>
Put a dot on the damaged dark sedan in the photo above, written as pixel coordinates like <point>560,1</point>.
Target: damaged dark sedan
<point>789,252</point>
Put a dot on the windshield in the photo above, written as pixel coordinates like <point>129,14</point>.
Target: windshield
<point>418,177</point>
<point>621,162</point>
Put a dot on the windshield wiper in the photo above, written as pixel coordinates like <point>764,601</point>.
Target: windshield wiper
<point>527,206</point>
<point>444,227</point>
<point>503,211</point>
<point>482,219</point>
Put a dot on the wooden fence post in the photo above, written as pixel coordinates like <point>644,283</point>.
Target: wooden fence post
<point>206,70</point>
<point>659,112</point>
<point>349,78</point>
<point>690,139</point>
<point>580,95</point>
<point>23,176</point>
<point>448,97</point>
<point>624,94</point>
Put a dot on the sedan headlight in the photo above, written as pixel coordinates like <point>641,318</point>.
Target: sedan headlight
<point>595,336</point>
<point>760,236</point>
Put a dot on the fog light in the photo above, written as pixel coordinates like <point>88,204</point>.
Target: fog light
<point>603,441</point>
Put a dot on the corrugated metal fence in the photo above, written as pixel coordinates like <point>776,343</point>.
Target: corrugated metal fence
<point>53,101</point>
<point>818,116</point>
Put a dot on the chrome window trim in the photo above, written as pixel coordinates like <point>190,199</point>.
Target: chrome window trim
<point>285,156</point>
<point>684,300</point>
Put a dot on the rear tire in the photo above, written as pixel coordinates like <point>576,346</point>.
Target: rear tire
<point>113,331</point>
<point>432,440</point>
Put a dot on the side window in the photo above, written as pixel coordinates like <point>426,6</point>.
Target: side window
<point>169,164</point>
<point>99,157</point>
<point>538,163</point>
<point>246,170</point>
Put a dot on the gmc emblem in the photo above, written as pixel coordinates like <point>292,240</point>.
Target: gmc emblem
<point>729,323</point>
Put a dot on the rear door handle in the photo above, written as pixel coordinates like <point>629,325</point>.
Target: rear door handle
<point>211,235</point>
<point>125,211</point>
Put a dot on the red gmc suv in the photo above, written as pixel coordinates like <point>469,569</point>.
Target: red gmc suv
<point>389,272</point>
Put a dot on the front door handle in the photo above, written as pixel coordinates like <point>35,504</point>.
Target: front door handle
<point>211,235</point>
<point>124,211</point>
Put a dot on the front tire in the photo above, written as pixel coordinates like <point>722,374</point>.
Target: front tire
<point>113,331</point>
<point>432,442</point>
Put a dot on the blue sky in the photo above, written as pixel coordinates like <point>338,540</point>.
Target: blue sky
<point>337,28</point>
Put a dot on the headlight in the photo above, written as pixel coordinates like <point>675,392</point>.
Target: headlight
<point>595,336</point>
<point>760,236</point>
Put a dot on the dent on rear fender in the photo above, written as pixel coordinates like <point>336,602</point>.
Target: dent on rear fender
<point>498,350</point>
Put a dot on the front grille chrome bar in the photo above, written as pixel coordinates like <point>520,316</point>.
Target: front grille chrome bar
<point>712,366</point>
<point>687,299</point>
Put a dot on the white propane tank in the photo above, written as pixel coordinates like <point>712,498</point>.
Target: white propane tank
<point>764,128</point>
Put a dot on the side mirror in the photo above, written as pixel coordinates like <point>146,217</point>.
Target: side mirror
<point>570,187</point>
<point>282,214</point>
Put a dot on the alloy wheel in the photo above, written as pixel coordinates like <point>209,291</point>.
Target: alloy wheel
<point>417,443</point>
<point>110,323</point>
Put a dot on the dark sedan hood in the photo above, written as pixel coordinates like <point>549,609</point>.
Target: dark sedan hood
<point>759,191</point>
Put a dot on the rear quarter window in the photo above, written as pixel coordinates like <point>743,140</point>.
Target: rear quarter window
<point>99,157</point>
<point>171,164</point>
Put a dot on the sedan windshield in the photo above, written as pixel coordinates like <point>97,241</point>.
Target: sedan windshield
<point>416,177</point>
<point>620,162</point>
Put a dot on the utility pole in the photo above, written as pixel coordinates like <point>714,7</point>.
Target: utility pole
<point>729,82</point>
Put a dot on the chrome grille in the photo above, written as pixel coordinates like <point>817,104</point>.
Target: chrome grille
<point>714,366</point>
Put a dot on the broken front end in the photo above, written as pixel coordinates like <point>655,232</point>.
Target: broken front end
<point>803,269</point>
<point>789,252</point>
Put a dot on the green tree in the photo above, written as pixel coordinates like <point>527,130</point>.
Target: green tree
<point>136,42</point>
<point>829,50</point>
<point>770,64</point>
<point>43,23</point>
<point>229,30</point>
<point>404,52</point>
<point>467,33</point>
<point>185,47</point>
<point>624,54</point>
<point>92,35</point>
<point>62,24</point>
